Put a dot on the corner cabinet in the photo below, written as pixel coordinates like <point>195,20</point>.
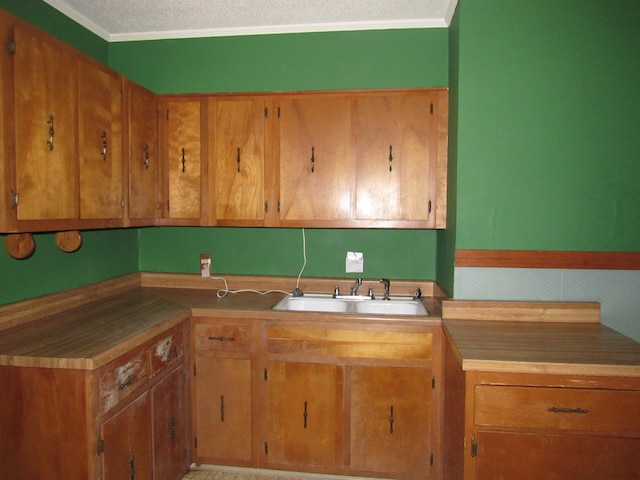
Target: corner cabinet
<point>342,398</point>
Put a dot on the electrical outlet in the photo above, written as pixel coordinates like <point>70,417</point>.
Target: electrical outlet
<point>205,264</point>
<point>354,263</point>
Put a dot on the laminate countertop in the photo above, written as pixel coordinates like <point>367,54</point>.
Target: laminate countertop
<point>514,345</point>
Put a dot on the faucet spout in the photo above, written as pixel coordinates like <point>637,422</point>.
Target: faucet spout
<point>386,283</point>
<point>356,285</point>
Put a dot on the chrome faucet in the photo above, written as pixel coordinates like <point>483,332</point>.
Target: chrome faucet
<point>386,283</point>
<point>354,289</point>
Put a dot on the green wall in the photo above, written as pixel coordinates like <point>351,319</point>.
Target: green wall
<point>548,125</point>
<point>312,61</point>
<point>103,255</point>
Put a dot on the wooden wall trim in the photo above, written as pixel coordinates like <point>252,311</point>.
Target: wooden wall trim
<point>548,259</point>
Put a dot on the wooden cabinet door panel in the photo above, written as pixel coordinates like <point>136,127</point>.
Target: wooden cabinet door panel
<point>45,133</point>
<point>223,408</point>
<point>394,152</point>
<point>532,456</point>
<point>238,158</point>
<point>305,414</point>
<point>100,132</point>
<point>183,159</point>
<point>127,442</point>
<point>316,171</point>
<point>390,419</point>
<point>144,162</point>
<point>170,427</point>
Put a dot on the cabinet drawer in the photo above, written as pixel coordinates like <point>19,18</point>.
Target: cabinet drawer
<point>167,351</point>
<point>227,337</point>
<point>351,343</point>
<point>122,377</point>
<point>557,408</point>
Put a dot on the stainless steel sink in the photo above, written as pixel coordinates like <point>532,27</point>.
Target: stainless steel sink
<point>316,302</point>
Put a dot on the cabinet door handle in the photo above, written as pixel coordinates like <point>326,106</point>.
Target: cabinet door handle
<point>305,414</point>
<point>104,144</point>
<point>128,382</point>
<point>313,159</point>
<point>568,410</point>
<point>132,467</point>
<point>222,338</point>
<point>238,159</point>
<point>391,419</point>
<point>222,408</point>
<point>172,429</point>
<point>51,132</point>
<point>184,161</point>
<point>146,156</point>
<point>390,158</point>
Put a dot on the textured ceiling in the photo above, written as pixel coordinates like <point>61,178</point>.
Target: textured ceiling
<point>121,20</point>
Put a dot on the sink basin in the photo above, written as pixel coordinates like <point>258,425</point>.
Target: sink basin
<point>352,304</point>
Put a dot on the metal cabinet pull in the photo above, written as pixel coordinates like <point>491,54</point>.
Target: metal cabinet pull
<point>390,158</point>
<point>146,156</point>
<point>391,419</point>
<point>172,429</point>
<point>183,160</point>
<point>104,144</point>
<point>222,338</point>
<point>313,159</point>
<point>51,132</point>
<point>128,382</point>
<point>568,410</point>
<point>305,414</point>
<point>222,408</point>
<point>238,159</point>
<point>132,467</point>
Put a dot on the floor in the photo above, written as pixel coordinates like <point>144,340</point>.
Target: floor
<point>217,473</point>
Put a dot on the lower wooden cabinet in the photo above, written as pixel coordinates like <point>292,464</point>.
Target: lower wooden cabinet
<point>530,426</point>
<point>344,399</point>
<point>126,420</point>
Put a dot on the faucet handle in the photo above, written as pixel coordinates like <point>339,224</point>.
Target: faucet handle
<point>336,292</point>
<point>386,284</point>
<point>372,295</point>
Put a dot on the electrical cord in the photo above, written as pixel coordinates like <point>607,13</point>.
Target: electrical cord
<point>221,293</point>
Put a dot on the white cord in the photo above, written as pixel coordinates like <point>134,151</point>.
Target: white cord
<point>223,292</point>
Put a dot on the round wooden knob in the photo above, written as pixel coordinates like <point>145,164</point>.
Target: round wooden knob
<point>69,241</point>
<point>20,245</point>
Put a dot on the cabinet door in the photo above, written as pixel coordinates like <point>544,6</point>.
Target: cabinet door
<point>396,156</point>
<point>182,160</point>
<point>45,127</point>
<point>127,442</point>
<point>223,409</point>
<point>100,132</point>
<point>316,173</point>
<point>390,419</point>
<point>238,158</point>
<point>144,165</point>
<point>531,456</point>
<point>7,176</point>
<point>170,423</point>
<point>305,414</point>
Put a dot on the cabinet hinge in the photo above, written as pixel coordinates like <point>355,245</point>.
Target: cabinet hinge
<point>11,47</point>
<point>433,383</point>
<point>266,112</point>
<point>431,459</point>
<point>266,375</point>
<point>266,206</point>
<point>429,206</point>
<point>167,114</point>
<point>100,446</point>
<point>431,108</point>
<point>195,442</point>
<point>278,112</point>
<point>15,200</point>
<point>168,206</point>
<point>278,206</point>
<point>194,369</point>
<point>474,447</point>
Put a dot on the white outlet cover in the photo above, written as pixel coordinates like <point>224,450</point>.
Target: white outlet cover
<point>354,262</point>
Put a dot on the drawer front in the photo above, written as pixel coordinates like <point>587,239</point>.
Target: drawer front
<point>557,408</point>
<point>225,337</point>
<point>167,351</point>
<point>350,343</point>
<point>122,377</point>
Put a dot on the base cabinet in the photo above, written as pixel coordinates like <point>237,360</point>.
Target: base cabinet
<point>337,398</point>
<point>530,426</point>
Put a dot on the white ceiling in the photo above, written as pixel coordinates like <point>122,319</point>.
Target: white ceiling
<point>123,20</point>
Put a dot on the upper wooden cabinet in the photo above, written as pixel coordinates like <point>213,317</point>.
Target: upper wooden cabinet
<point>143,156</point>
<point>183,153</point>
<point>239,149</point>
<point>100,100</point>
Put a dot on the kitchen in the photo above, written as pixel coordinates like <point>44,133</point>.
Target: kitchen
<point>530,161</point>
